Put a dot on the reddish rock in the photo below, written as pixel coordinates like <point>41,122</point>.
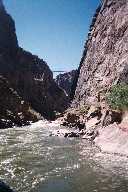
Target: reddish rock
<point>105,58</point>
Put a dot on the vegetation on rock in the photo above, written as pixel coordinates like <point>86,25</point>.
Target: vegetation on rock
<point>118,97</point>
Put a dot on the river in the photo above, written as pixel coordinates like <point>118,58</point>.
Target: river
<point>31,161</point>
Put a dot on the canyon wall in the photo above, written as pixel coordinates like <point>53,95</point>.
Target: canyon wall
<point>27,74</point>
<point>105,56</point>
<point>65,81</point>
<point>13,109</point>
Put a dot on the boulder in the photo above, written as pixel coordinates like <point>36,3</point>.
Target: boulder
<point>94,111</point>
<point>91,135</point>
<point>72,134</point>
<point>71,118</point>
<point>66,135</point>
<point>92,123</point>
<point>80,125</point>
<point>110,117</point>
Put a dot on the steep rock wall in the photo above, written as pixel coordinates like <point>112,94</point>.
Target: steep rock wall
<point>105,58</point>
<point>65,81</point>
<point>26,73</point>
<point>34,81</point>
<point>13,110</point>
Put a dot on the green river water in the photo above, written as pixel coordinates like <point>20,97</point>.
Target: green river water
<point>31,161</point>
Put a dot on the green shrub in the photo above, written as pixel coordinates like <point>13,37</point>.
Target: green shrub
<point>117,98</point>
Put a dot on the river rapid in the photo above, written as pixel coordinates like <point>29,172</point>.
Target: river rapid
<point>31,161</point>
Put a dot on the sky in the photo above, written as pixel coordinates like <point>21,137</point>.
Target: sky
<point>55,30</point>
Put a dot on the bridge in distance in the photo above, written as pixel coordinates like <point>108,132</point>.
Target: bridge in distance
<point>59,72</point>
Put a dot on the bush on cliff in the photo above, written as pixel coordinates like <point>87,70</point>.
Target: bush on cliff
<point>118,97</point>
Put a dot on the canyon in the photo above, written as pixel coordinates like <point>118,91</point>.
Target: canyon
<point>28,76</point>
<point>104,65</point>
<point>45,155</point>
<point>31,82</point>
<point>34,93</point>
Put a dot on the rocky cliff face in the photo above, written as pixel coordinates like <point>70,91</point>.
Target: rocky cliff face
<point>8,39</point>
<point>33,80</point>
<point>13,110</point>
<point>65,81</point>
<point>26,73</point>
<point>105,57</point>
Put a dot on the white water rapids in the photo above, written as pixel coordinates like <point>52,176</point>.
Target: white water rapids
<point>31,161</point>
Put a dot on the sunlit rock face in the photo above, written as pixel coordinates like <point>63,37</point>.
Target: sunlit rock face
<point>113,139</point>
<point>65,81</point>
<point>29,75</point>
<point>105,57</point>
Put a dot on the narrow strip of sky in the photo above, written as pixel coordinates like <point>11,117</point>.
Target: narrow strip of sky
<point>55,30</point>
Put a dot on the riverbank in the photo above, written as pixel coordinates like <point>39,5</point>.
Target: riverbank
<point>32,161</point>
<point>106,128</point>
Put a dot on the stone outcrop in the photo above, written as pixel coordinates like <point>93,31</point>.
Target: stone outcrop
<point>66,80</point>
<point>105,57</point>
<point>28,75</point>
<point>13,110</point>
